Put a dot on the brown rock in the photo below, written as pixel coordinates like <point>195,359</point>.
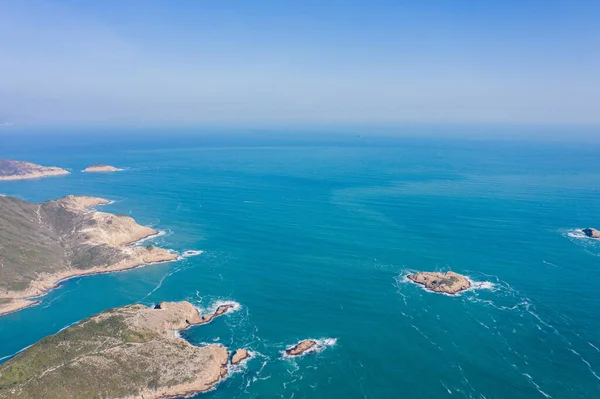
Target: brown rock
<point>591,232</point>
<point>448,283</point>
<point>239,356</point>
<point>221,310</point>
<point>301,347</point>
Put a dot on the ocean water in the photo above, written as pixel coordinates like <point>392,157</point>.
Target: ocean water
<point>313,238</point>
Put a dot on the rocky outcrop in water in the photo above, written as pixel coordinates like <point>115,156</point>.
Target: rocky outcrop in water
<point>239,356</point>
<point>301,347</point>
<point>222,309</point>
<point>591,232</point>
<point>447,283</point>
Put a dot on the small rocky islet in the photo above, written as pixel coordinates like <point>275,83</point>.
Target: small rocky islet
<point>100,167</point>
<point>446,283</point>
<point>127,352</point>
<point>591,232</point>
<point>301,347</point>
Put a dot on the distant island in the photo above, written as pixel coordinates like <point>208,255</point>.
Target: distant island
<point>43,244</point>
<point>591,232</point>
<point>99,167</point>
<point>19,170</point>
<point>128,352</point>
<point>447,283</point>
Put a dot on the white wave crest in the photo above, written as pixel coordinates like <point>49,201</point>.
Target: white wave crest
<point>191,252</point>
<point>215,305</point>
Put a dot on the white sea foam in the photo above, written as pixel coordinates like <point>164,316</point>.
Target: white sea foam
<point>536,385</point>
<point>160,233</point>
<point>321,345</point>
<point>482,285</point>
<point>215,305</point>
<point>190,253</point>
<point>578,233</point>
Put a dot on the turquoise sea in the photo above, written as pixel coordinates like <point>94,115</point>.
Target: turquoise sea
<point>313,238</point>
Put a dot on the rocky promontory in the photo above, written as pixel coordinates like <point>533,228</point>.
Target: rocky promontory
<point>43,244</point>
<point>447,283</point>
<point>239,356</point>
<point>128,352</point>
<point>100,167</point>
<point>19,170</point>
<point>301,347</point>
<point>591,232</point>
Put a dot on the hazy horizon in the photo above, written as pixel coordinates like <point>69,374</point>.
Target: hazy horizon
<point>299,63</point>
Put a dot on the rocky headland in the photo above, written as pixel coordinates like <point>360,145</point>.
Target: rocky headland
<point>43,244</point>
<point>19,170</point>
<point>591,232</point>
<point>447,283</point>
<point>129,352</point>
<point>301,347</point>
<point>99,167</point>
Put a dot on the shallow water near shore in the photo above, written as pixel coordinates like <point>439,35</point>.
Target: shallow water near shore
<point>314,240</point>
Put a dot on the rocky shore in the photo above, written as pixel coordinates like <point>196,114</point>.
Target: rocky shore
<point>591,232</point>
<point>128,352</point>
<point>101,168</point>
<point>447,283</point>
<point>19,170</point>
<point>47,243</point>
<point>239,356</point>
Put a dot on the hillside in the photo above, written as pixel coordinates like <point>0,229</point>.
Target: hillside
<point>42,244</point>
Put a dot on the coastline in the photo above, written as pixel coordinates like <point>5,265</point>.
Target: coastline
<point>35,175</point>
<point>20,300</point>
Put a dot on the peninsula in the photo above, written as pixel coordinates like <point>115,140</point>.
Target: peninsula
<point>130,352</point>
<point>99,167</point>
<point>19,170</point>
<point>447,283</point>
<point>43,244</point>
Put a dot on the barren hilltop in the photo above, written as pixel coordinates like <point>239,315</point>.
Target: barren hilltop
<point>129,352</point>
<point>18,170</point>
<point>42,244</point>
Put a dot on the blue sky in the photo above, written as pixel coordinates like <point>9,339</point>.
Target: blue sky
<point>186,63</point>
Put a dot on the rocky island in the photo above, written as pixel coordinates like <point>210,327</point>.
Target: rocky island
<point>99,167</point>
<point>239,356</point>
<point>301,347</point>
<point>19,170</point>
<point>43,244</point>
<point>591,232</point>
<point>447,283</point>
<point>129,352</point>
